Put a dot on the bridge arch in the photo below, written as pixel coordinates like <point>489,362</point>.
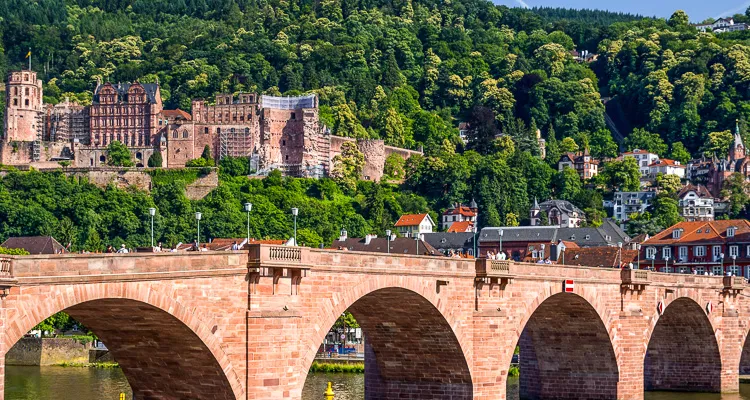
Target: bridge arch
<point>164,348</point>
<point>566,349</point>
<point>415,343</point>
<point>682,353</point>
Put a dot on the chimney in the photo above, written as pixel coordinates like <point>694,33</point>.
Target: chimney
<point>368,239</point>
<point>343,235</point>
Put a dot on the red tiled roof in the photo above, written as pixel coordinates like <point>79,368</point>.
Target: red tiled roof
<point>460,210</point>
<point>702,231</point>
<point>700,190</point>
<point>461,226</point>
<point>605,256</point>
<point>667,162</point>
<point>411,219</point>
<point>177,113</point>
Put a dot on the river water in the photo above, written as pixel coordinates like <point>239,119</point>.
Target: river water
<point>71,383</point>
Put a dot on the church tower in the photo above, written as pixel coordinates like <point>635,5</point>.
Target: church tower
<point>534,214</point>
<point>737,151</point>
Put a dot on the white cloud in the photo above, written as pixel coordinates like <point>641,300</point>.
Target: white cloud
<point>523,4</point>
<point>728,13</point>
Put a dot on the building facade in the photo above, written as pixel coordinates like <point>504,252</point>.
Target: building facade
<point>559,213</point>
<point>626,203</point>
<point>714,247</point>
<point>736,162</point>
<point>696,203</point>
<point>411,225</point>
<point>582,163</point>
<point>282,133</point>
<point>460,215</point>
<point>643,158</point>
<point>666,166</point>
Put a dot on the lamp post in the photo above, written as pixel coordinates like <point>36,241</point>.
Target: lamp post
<point>248,208</point>
<point>638,248</point>
<point>388,240</point>
<point>721,256</point>
<point>474,239</point>
<point>653,257</point>
<point>501,240</point>
<point>152,212</point>
<point>198,216</point>
<point>562,251</point>
<point>541,256</point>
<point>666,264</point>
<point>734,263</point>
<point>416,239</point>
<point>295,211</point>
<point>619,254</point>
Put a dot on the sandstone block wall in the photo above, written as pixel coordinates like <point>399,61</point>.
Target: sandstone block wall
<point>49,351</point>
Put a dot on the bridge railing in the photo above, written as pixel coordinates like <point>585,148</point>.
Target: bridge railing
<point>493,268</point>
<point>6,267</point>
<point>262,255</point>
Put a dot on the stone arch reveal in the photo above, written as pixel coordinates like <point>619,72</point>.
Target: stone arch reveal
<point>163,348</point>
<point>566,352</point>
<point>412,351</point>
<point>682,353</point>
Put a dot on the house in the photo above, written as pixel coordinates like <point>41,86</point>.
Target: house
<point>666,166</point>
<point>643,158</point>
<point>515,240</point>
<point>374,244</point>
<point>559,213</point>
<point>698,169</point>
<point>626,203</point>
<point>445,242</point>
<point>722,25</point>
<point>415,224</point>
<point>715,247</point>
<point>35,244</point>
<point>696,203</point>
<point>582,163</point>
<point>462,216</point>
<point>463,132</point>
<point>604,256</point>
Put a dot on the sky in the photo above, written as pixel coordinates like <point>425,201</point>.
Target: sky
<point>698,10</point>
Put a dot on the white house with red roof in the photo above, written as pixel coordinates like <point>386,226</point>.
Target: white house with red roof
<point>667,167</point>
<point>714,247</point>
<point>410,225</point>
<point>460,218</point>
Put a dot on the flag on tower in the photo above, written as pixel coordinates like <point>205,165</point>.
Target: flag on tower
<point>28,54</point>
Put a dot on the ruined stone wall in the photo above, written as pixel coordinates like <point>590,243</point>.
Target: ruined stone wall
<point>374,151</point>
<point>49,351</point>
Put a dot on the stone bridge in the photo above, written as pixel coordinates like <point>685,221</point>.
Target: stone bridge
<point>247,324</point>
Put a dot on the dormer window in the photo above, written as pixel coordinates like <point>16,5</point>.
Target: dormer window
<point>731,230</point>
<point>677,233</point>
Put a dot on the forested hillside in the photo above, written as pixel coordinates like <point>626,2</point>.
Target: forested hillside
<point>408,71</point>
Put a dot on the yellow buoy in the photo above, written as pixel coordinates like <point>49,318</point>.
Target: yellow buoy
<point>329,392</point>
<point>122,396</point>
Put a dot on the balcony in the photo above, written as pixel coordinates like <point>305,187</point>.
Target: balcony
<point>265,256</point>
<point>734,283</point>
<point>634,279</point>
<point>497,269</point>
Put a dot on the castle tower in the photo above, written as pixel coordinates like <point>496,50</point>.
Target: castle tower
<point>23,107</point>
<point>737,151</point>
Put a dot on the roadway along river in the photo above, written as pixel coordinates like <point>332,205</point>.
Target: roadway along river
<point>60,383</point>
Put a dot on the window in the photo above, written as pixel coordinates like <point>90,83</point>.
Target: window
<point>683,252</point>
<point>293,114</point>
<point>15,102</point>
<point>730,231</point>
<point>666,253</point>
<point>174,135</point>
<point>283,142</point>
<point>748,250</point>
<point>27,91</point>
<point>734,269</point>
<point>650,252</point>
<point>716,270</point>
<point>676,233</point>
<point>734,251</point>
<point>26,102</point>
<point>700,270</point>
<point>185,134</point>
<point>716,251</point>
<point>218,130</point>
<point>700,251</point>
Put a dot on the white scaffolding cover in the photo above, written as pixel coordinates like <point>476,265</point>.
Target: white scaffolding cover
<point>288,103</point>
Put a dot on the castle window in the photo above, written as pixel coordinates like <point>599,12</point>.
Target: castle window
<point>283,142</point>
<point>138,156</point>
<point>205,130</point>
<point>15,90</point>
<point>25,77</point>
<point>174,135</point>
<point>287,157</point>
<point>185,135</point>
<point>27,91</point>
<point>247,131</point>
<point>15,102</point>
<point>102,159</point>
<point>26,102</point>
<point>218,130</point>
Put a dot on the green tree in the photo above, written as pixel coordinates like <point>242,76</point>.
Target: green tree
<point>666,211</point>
<point>119,155</point>
<point>235,166</point>
<point>679,19</point>
<point>206,155</point>
<point>568,184</point>
<point>348,166</point>
<point>644,140</point>
<point>735,188</point>
<point>602,144</point>
<point>568,145</point>
<point>155,161</point>
<point>680,153</point>
<point>669,184</point>
<point>718,144</point>
<point>394,167</point>
<point>623,175</point>
<point>511,219</point>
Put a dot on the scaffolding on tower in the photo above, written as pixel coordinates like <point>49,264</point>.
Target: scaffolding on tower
<point>235,143</point>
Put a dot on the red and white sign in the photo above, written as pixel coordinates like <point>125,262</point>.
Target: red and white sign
<point>568,286</point>
<point>660,308</point>
<point>709,307</point>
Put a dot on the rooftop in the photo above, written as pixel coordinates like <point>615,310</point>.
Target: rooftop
<point>411,219</point>
<point>35,244</point>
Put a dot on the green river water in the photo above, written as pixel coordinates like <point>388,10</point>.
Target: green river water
<point>70,383</point>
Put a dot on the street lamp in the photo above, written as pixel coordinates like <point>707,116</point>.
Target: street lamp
<point>541,256</point>
<point>152,212</point>
<point>416,239</point>
<point>638,248</point>
<point>248,208</point>
<point>295,212</point>
<point>501,240</point>
<point>653,257</point>
<point>562,252</point>
<point>198,216</point>
<point>619,253</point>
<point>388,240</point>
<point>666,264</point>
<point>474,239</point>
<point>734,264</point>
<point>721,255</point>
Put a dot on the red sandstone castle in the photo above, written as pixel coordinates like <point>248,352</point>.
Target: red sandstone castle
<point>274,132</point>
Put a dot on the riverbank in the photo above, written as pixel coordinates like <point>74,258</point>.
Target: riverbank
<point>67,351</point>
<point>334,367</point>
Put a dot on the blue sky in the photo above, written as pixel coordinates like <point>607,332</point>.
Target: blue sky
<point>696,9</point>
